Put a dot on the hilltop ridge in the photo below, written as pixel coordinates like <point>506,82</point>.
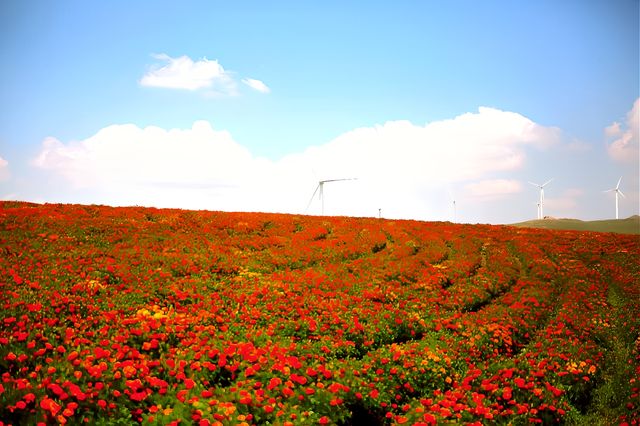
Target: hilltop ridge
<point>630,225</point>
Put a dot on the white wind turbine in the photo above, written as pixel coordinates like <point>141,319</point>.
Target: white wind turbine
<point>541,201</point>
<point>453,202</point>
<point>617,191</point>
<point>320,191</point>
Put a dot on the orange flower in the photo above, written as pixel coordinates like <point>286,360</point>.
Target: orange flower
<point>50,405</point>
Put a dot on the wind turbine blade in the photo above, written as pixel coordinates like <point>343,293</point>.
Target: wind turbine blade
<point>337,180</point>
<point>547,182</point>
<point>534,184</point>
<point>618,185</point>
<point>620,192</point>
<point>311,199</point>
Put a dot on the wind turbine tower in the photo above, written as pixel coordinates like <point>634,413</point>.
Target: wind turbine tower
<point>320,191</point>
<point>617,191</point>
<point>541,201</point>
<point>453,203</point>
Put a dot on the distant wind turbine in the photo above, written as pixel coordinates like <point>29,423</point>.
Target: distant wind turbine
<point>320,191</point>
<point>617,191</point>
<point>453,202</point>
<point>541,202</point>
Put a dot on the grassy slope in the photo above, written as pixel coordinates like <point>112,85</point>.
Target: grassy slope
<point>630,225</point>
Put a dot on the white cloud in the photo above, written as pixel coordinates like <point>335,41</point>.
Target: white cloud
<point>493,188</point>
<point>256,85</point>
<point>399,165</point>
<point>150,156</point>
<point>184,73</point>
<point>624,145</point>
<point>613,130</point>
<point>4,170</point>
<point>464,148</point>
<point>154,166</point>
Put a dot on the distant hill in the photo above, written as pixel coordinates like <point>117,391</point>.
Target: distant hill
<point>630,225</point>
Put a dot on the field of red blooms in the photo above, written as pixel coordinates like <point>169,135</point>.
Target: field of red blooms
<point>139,315</point>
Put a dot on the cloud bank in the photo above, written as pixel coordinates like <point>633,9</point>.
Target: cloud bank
<point>151,165</point>
<point>467,147</point>
<point>186,74</point>
<point>397,165</point>
<point>622,139</point>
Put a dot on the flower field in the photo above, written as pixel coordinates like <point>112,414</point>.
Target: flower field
<point>140,315</point>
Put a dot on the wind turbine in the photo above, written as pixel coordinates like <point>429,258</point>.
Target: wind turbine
<point>320,191</point>
<point>453,201</point>
<point>541,202</point>
<point>617,191</point>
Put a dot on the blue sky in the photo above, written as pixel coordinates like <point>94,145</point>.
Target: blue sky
<point>247,105</point>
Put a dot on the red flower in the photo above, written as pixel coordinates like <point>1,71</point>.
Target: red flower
<point>50,405</point>
<point>181,395</point>
<point>430,419</point>
<point>506,394</point>
<point>556,392</point>
<point>138,396</point>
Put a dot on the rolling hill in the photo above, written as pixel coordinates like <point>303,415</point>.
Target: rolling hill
<point>630,225</point>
